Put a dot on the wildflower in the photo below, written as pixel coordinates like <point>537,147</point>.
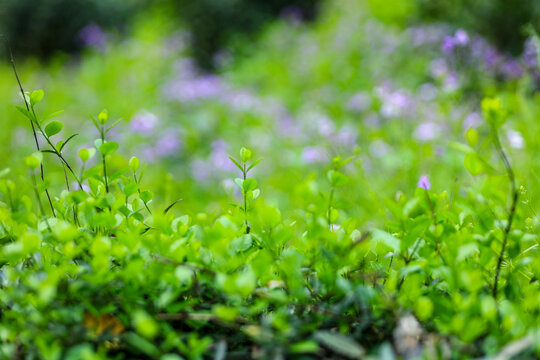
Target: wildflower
<point>427,131</point>
<point>92,35</point>
<point>167,145</point>
<point>515,139</point>
<point>424,183</point>
<point>461,37</point>
<point>448,44</point>
<point>143,122</point>
<point>312,154</point>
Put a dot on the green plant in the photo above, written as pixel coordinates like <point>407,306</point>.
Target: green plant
<point>248,186</point>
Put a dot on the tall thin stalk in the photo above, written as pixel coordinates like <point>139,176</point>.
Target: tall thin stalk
<point>515,195</point>
<point>42,175</point>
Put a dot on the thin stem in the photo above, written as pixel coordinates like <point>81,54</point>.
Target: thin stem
<point>245,201</point>
<point>434,218</point>
<point>512,212</point>
<point>329,213</point>
<point>12,60</point>
<point>104,162</point>
<point>139,190</point>
<point>66,177</point>
<point>36,192</point>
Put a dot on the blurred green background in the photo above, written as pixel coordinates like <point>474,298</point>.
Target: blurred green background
<point>394,84</point>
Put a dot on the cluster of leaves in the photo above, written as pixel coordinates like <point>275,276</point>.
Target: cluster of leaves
<point>104,273</point>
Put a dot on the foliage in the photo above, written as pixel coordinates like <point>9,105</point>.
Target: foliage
<point>215,23</point>
<point>394,213</point>
<point>60,25</point>
<point>502,22</point>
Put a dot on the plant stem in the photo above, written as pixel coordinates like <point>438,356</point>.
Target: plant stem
<point>513,206</point>
<point>245,201</point>
<point>103,160</point>
<point>329,213</point>
<point>12,60</point>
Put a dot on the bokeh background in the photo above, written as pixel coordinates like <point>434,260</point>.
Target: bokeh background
<point>395,84</point>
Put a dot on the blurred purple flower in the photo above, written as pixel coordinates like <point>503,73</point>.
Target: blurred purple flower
<point>451,82</point>
<point>530,55</point>
<point>196,88</point>
<point>293,14</point>
<point>167,145</point>
<point>347,135</point>
<point>143,123</point>
<point>92,35</point>
<point>378,148</point>
<point>512,69</point>
<point>473,120</point>
<point>427,131</point>
<point>395,103</point>
<point>461,38</point>
<point>359,102</point>
<point>438,68</point>
<point>200,170</point>
<point>448,44</point>
<point>424,183</point>
<point>515,139</point>
<point>219,157</point>
<point>313,154</point>
<point>427,92</point>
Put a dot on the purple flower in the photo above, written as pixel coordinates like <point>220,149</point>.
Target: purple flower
<point>427,131</point>
<point>512,69</point>
<point>461,37</point>
<point>530,57</point>
<point>293,14</point>
<point>424,183</point>
<point>92,35</point>
<point>167,145</point>
<point>448,44</point>
<point>196,88</point>
<point>359,102</point>
<point>219,156</point>
<point>515,139</point>
<point>312,154</point>
<point>143,123</point>
<point>473,120</point>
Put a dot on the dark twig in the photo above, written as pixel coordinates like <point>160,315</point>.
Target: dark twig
<point>12,61</point>
<point>515,196</point>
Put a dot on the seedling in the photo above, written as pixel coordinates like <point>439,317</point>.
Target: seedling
<point>248,186</point>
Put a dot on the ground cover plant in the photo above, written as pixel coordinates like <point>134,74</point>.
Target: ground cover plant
<point>317,199</point>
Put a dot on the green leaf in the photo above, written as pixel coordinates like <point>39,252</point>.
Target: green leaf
<point>337,178</point>
<point>249,184</point>
<point>386,238</point>
<point>86,154</point>
<point>4,172</point>
<point>472,137</point>
<point>113,125</point>
<point>65,142</point>
<point>146,196</point>
<point>130,189</point>
<point>474,164</point>
<point>25,112</point>
<point>53,128</point>
<point>36,97</point>
<point>236,163</point>
<point>108,147</point>
<point>254,164</point>
<point>32,162</point>
<point>134,163</point>
<point>340,344</point>
<point>171,206</point>
<point>50,116</point>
